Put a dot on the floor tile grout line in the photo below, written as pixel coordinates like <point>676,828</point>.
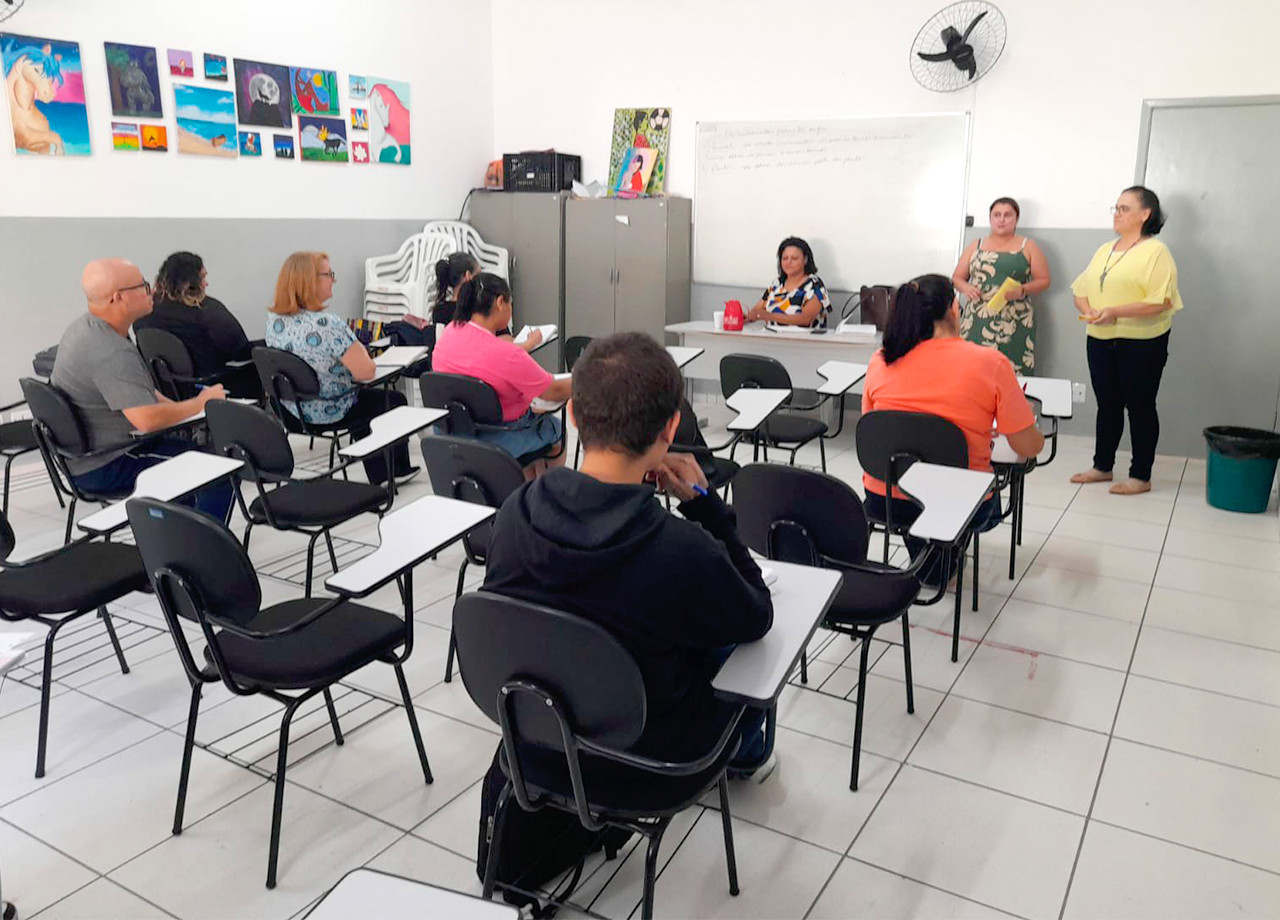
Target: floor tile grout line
<point>65,855</point>
<point>1185,846</point>
<point>947,891</point>
<point>1102,767</point>
<point>1221,693</point>
<point>1196,635</point>
<point>44,911</point>
<point>1217,763</point>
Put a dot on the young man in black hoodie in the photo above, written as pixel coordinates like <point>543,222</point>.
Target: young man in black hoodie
<point>596,542</point>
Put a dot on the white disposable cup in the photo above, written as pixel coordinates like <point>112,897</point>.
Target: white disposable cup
<point>717,320</point>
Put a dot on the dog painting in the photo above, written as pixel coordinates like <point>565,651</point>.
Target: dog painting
<point>323,139</point>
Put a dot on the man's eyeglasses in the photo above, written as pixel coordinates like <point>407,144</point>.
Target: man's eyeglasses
<point>145,285</point>
<point>332,276</point>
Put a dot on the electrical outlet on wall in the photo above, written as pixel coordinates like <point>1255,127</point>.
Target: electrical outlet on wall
<point>1077,392</point>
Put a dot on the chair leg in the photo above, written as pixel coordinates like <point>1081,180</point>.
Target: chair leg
<point>248,529</point>
<point>906,662</point>
<point>115,642</point>
<point>8,463</point>
<point>804,666</point>
<point>651,871</point>
<point>333,718</point>
<point>495,840</point>
<point>311,559</point>
<point>333,557</point>
<point>46,681</point>
<point>1013,528</point>
<point>188,744</point>
<point>71,516</point>
<point>822,452</point>
<point>977,541</point>
<point>727,820</point>
<point>1022,507</point>
<point>453,642</point>
<point>282,761</point>
<point>413,725</point>
<point>862,705</point>
<point>955,630</point>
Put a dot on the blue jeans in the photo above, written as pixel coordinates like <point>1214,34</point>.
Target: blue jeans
<point>751,734</point>
<point>120,474</point>
<point>905,512</point>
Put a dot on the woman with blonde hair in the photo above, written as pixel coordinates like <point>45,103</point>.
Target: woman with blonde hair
<point>303,326</point>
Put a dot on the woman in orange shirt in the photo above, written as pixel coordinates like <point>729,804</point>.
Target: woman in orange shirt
<point>925,366</point>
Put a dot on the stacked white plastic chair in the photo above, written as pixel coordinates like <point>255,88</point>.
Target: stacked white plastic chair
<point>495,259</point>
<point>404,281</point>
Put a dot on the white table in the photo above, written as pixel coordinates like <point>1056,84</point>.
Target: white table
<point>369,893</point>
<point>400,356</point>
<point>950,495</point>
<point>1053,394</point>
<point>389,427</point>
<point>167,481</point>
<point>682,354</point>
<point>405,538</point>
<point>841,376</point>
<point>753,407</point>
<point>800,351</point>
<point>756,672</point>
<point>191,419</point>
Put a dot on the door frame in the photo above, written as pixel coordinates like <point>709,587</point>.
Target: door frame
<point>1197,102</point>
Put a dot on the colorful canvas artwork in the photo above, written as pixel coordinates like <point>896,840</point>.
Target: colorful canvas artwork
<point>389,121</point>
<point>250,144</point>
<point>649,128</point>
<point>215,67</point>
<point>124,136</point>
<point>637,168</point>
<point>315,92</point>
<point>181,63</point>
<point>357,87</point>
<point>206,120</point>
<point>359,152</point>
<point>360,119</point>
<point>262,94</point>
<point>44,84</point>
<point>323,139</point>
<point>133,76</point>
<point>155,138</point>
<point>283,146</point>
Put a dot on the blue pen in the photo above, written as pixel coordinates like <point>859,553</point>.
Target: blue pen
<point>697,488</point>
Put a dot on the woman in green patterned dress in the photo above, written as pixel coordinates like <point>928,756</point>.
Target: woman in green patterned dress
<point>984,266</point>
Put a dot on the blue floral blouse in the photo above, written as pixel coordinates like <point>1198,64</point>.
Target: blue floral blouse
<point>777,299</point>
<point>320,339</point>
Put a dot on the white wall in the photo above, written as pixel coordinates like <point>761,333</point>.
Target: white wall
<point>1055,123</point>
<point>441,48</point>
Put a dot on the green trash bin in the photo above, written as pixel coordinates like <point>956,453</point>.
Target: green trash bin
<point>1242,466</point>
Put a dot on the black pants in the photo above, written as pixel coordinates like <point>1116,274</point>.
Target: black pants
<point>1126,375</point>
<point>370,403</point>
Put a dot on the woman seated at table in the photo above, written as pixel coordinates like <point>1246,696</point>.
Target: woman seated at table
<point>798,297</point>
<point>303,326</point>
<point>451,273</point>
<point>925,366</point>
<point>470,345</point>
<point>182,306</point>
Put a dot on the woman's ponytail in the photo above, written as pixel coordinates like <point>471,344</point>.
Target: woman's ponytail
<point>915,307</point>
<point>478,296</point>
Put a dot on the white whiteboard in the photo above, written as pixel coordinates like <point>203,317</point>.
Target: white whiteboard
<point>880,200</point>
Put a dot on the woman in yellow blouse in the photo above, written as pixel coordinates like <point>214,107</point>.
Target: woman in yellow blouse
<point>1128,296</point>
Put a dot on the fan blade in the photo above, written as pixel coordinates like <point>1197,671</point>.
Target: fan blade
<point>973,68</point>
<point>977,19</point>
<point>940,56</point>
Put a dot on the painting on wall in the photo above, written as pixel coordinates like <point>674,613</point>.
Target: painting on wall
<point>262,94</point>
<point>389,121</point>
<point>322,139</point>
<point>640,128</point>
<point>283,146</point>
<point>206,120</point>
<point>360,119</point>
<point>124,136</point>
<point>181,63</point>
<point>359,152</point>
<point>314,92</point>
<point>250,144</point>
<point>133,76</point>
<point>215,67</point>
<point>357,87</point>
<point>155,138</point>
<point>44,79</point>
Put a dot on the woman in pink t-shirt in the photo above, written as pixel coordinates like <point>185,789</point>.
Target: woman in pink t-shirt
<point>470,345</point>
<point>925,366</point>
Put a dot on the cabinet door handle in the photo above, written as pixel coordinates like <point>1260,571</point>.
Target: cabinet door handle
<point>612,272</point>
<point>617,276</point>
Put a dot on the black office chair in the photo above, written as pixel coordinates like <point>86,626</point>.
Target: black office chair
<point>62,438</point>
<point>309,506</point>
<point>689,440</point>
<point>782,429</point>
<point>200,573</point>
<point>287,379</point>
<point>574,346</point>
<point>170,364</point>
<point>571,701</point>
<point>810,518</point>
<point>470,471</point>
<point>61,586</point>
<point>18,438</point>
<point>473,407</point>
<point>888,442</point>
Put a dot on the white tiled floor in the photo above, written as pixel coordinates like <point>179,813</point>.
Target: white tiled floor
<point>1105,746</point>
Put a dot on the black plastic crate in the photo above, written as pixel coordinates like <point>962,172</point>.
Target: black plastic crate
<point>540,171</point>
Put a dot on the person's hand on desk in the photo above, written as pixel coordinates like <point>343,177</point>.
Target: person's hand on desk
<point>532,340</point>
<point>217,391</point>
<point>757,313</point>
<point>680,476</point>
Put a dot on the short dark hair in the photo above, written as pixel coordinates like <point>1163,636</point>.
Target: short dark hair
<point>179,279</point>
<point>1153,224</point>
<point>1010,202</point>
<point>810,267</point>
<point>478,296</point>
<point>625,389</point>
<point>915,307</point>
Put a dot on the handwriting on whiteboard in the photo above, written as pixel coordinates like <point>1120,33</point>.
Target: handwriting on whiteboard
<point>755,146</point>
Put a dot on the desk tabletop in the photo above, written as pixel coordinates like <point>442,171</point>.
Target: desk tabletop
<point>756,672</point>
<point>754,406</point>
<point>389,427</point>
<point>759,330</point>
<point>406,536</point>
<point>400,355</point>
<point>370,893</point>
<point>1053,393</point>
<point>167,481</point>
<point>683,354</point>
<point>841,377</point>
<point>950,495</point>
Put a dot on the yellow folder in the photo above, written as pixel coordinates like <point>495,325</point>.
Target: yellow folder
<point>1000,297</point>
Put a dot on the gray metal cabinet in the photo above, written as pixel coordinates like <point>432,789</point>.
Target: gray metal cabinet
<point>626,265</point>
<point>531,226</point>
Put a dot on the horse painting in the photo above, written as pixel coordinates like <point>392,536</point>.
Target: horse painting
<point>389,122</point>
<point>33,79</point>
